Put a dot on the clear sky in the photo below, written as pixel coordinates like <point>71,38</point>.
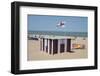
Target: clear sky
<point>49,23</point>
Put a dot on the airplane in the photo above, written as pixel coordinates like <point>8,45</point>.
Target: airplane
<point>61,24</point>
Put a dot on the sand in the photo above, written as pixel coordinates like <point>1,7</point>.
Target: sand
<point>34,53</point>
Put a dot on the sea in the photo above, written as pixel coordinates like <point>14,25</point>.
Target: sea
<point>59,33</point>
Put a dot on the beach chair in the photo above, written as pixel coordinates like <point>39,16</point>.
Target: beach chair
<point>78,46</point>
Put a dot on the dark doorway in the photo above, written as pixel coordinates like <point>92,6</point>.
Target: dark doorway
<point>62,46</point>
<point>55,46</point>
<point>68,45</point>
<point>43,44</point>
<point>47,46</point>
<point>50,46</point>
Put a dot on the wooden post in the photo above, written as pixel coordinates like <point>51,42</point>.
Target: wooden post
<point>48,45</point>
<point>41,44</point>
<point>52,47</point>
<point>58,45</point>
<point>65,45</point>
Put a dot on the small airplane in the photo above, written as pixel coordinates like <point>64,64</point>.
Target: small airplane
<point>61,24</point>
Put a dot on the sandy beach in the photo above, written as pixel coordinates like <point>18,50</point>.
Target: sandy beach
<point>34,52</point>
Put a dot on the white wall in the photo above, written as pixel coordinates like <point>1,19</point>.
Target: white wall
<point>5,41</point>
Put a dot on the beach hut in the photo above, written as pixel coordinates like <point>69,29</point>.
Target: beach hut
<point>55,45</point>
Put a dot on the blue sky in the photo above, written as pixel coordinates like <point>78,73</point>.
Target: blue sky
<point>49,23</point>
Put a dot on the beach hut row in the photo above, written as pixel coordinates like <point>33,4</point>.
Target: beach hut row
<point>54,46</point>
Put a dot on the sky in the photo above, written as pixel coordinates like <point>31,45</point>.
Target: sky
<point>49,23</point>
